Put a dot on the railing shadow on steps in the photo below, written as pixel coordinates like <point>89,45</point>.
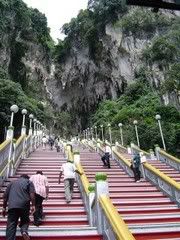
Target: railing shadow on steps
<point>101,212</point>
<point>166,184</point>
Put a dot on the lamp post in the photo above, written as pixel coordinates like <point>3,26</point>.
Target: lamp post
<point>92,134</point>
<point>110,136</point>
<point>35,133</point>
<point>10,133</point>
<point>121,133</point>
<point>31,116</point>
<point>158,118</point>
<point>14,109</point>
<point>35,121</point>
<point>96,131</point>
<point>23,128</point>
<point>102,133</point>
<point>136,130</point>
<point>84,133</point>
<point>88,133</point>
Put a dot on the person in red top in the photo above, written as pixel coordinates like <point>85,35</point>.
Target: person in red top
<point>42,189</point>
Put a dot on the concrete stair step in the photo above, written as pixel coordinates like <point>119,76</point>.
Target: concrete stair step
<point>57,220</point>
<point>58,232</point>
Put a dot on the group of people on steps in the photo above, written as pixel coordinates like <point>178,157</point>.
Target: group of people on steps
<point>25,190</point>
<point>25,196</point>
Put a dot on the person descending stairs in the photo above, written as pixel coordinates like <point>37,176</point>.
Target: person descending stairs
<point>148,213</point>
<point>62,220</point>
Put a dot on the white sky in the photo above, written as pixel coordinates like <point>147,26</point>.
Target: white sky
<point>58,12</point>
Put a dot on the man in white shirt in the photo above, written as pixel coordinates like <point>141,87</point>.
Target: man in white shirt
<point>106,157</point>
<point>69,170</point>
<point>42,189</point>
<point>44,142</point>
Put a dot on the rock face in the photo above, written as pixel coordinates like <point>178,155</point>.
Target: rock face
<point>80,82</point>
<point>23,54</point>
<point>30,67</point>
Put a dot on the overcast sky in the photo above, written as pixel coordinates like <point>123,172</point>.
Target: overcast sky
<point>58,12</point>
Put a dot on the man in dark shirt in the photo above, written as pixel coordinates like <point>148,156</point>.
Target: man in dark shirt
<point>136,162</point>
<point>18,196</point>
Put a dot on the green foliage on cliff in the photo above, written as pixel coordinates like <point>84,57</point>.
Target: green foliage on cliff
<point>20,29</point>
<point>15,16</point>
<point>140,103</point>
<point>165,52</point>
<point>12,93</point>
<point>165,49</point>
<point>87,28</point>
<point>141,20</point>
<point>106,11</point>
<point>172,81</point>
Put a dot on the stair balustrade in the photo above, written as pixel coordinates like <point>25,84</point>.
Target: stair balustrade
<point>4,154</point>
<point>165,183</point>
<point>101,212</point>
<point>121,148</point>
<point>170,160</point>
<point>135,149</point>
<point>161,180</point>
<point>112,224</point>
<point>12,152</point>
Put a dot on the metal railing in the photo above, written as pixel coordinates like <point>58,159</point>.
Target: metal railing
<point>167,158</point>
<point>136,149</point>
<point>4,155</point>
<point>169,186</point>
<point>112,225</point>
<point>12,152</point>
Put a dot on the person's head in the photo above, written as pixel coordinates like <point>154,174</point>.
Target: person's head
<point>24,176</point>
<point>39,172</point>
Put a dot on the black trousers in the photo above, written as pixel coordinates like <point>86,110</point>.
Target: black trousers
<point>137,173</point>
<point>106,160</point>
<point>38,214</point>
<point>13,216</point>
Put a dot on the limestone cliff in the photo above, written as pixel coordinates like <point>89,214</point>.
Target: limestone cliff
<point>81,82</point>
<point>24,53</point>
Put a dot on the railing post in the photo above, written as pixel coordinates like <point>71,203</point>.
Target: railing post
<point>9,136</point>
<point>152,155</point>
<point>116,146</point>
<point>13,157</point>
<point>98,146</point>
<point>157,148</point>
<point>113,148</point>
<point>129,150</point>
<point>91,197</point>
<point>101,188</point>
<point>76,158</point>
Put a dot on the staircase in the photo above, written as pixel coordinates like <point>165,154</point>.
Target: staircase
<point>148,213</point>
<point>62,220</point>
